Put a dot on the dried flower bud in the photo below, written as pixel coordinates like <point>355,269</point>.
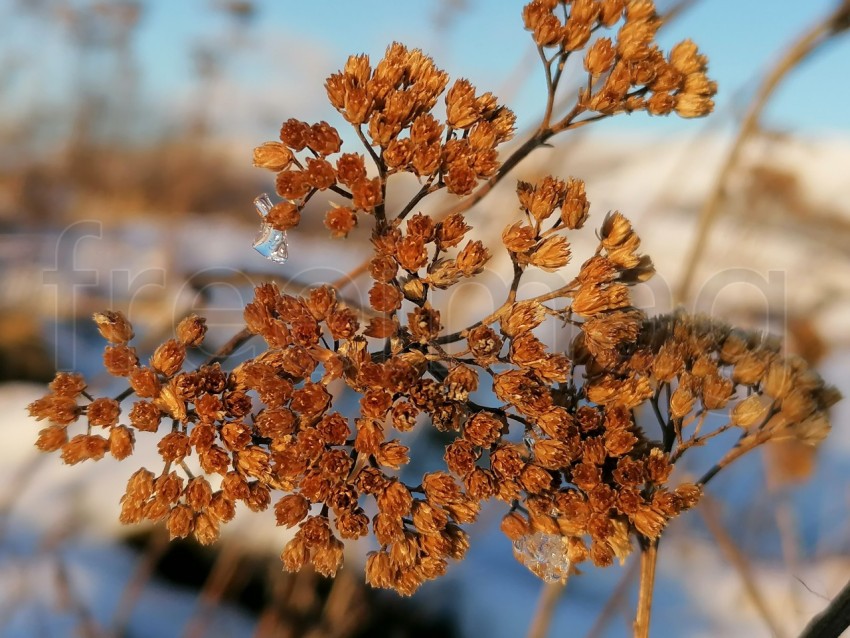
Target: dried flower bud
<point>524,316</point>
<point>273,156</point>
<point>103,412</point>
<point>168,358</point>
<point>599,57</point>
<point>120,360</point>
<point>514,525</point>
<point>180,522</point>
<point>83,448</point>
<point>749,412</point>
<point>551,254</point>
<point>121,440</point>
<point>113,326</point>
<point>52,438</point>
<point>66,384</point>
<point>291,510</point>
<point>450,231</point>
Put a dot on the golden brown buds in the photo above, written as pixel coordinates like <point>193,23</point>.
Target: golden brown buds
<point>191,331</point>
<point>51,438</point>
<point>611,11</point>
<point>366,194</point>
<point>749,369</point>
<point>66,384</point>
<point>180,522</point>
<point>542,199</point>
<point>324,139</point>
<point>168,358</point>
<point>550,254</point>
<point>120,361</point>
<point>686,59</point>
<point>174,446</point>
<point>411,253</point>
<point>749,412</point>
<point>384,297</point>
<point>284,215</point>
<point>424,324</point>
<point>461,106</point>
<point>273,156</point>
<point>518,238</point>
<point>690,105</point>
<point>591,300</point>
<point>291,510</point>
<point>681,402</point>
<point>145,416</point>
<point>103,412</point>
<point>523,316</point>
<point>716,392</point>
<point>294,134</point>
<point>84,448</point>
<point>450,231</point>
<point>340,221</point>
<point>546,28</point>
<point>113,326</point>
<point>599,57</point>
<point>485,344</point>
<point>471,260</point>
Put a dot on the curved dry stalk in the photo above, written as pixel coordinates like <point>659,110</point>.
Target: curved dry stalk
<point>739,561</point>
<point>546,603</point>
<point>835,23</point>
<point>648,560</point>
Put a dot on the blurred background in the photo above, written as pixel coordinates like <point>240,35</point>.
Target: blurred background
<point>126,131</point>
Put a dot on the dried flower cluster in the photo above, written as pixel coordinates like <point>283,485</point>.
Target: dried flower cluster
<point>559,444</point>
<point>629,73</point>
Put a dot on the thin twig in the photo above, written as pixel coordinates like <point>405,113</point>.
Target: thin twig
<point>233,344</point>
<point>805,46</point>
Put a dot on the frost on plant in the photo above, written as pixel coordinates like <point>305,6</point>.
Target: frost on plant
<point>558,443</point>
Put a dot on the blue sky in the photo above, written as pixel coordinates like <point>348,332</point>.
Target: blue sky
<point>486,43</point>
<point>288,49</point>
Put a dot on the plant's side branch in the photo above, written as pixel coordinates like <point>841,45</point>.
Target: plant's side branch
<point>230,347</point>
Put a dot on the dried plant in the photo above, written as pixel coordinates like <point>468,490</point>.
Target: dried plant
<point>561,445</point>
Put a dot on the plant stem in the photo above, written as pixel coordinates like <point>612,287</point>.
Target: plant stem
<point>546,603</point>
<point>648,558</point>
